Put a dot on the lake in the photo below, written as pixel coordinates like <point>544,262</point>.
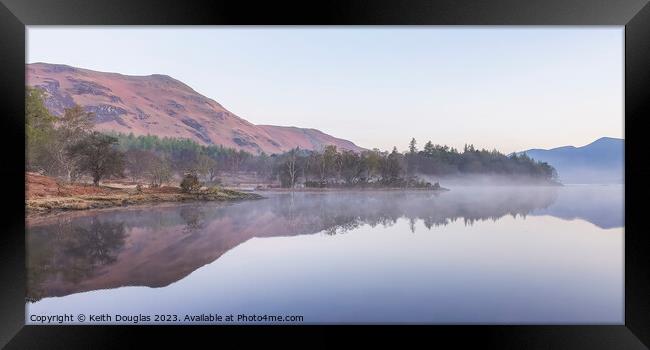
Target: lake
<point>473,255</point>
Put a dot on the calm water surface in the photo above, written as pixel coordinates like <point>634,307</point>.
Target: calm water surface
<point>471,255</point>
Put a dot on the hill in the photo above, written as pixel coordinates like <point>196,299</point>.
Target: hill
<point>601,161</point>
<point>163,106</point>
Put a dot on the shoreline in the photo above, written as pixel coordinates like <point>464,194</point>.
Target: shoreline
<point>45,217</point>
<point>47,206</point>
<point>53,205</point>
<point>351,189</point>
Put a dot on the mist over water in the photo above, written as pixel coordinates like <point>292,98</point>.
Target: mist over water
<point>485,180</point>
<point>475,254</point>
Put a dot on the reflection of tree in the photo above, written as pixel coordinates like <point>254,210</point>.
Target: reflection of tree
<point>194,218</point>
<point>342,224</point>
<point>339,213</point>
<point>87,248</point>
<point>71,252</point>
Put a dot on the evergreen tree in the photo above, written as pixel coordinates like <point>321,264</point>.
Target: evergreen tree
<point>413,146</point>
<point>428,148</point>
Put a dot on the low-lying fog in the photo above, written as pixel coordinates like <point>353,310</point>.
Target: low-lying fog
<point>85,244</point>
<point>485,180</point>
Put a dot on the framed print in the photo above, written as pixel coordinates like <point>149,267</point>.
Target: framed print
<point>463,171</point>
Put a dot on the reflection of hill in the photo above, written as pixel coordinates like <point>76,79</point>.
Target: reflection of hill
<point>158,246</point>
<point>602,207</point>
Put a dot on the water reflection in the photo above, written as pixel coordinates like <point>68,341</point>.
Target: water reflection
<point>339,213</point>
<point>602,205</point>
<point>160,245</point>
<point>71,253</point>
<point>194,218</point>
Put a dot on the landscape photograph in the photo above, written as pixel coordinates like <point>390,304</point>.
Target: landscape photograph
<point>324,175</point>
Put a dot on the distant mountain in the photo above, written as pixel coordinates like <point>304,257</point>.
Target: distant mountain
<point>601,161</point>
<point>163,106</point>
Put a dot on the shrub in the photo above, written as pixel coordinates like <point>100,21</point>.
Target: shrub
<point>214,189</point>
<point>190,183</point>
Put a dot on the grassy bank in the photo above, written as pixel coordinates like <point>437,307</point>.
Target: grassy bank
<point>82,202</point>
<point>44,196</point>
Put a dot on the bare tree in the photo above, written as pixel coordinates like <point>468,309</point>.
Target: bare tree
<point>159,172</point>
<point>139,162</point>
<point>207,167</point>
<point>291,167</point>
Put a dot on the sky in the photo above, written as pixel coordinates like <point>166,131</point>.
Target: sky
<point>504,88</point>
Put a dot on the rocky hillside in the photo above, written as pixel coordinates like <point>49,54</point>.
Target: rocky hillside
<point>163,106</point>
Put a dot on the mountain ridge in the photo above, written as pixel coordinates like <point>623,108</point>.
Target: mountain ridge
<point>158,104</point>
<point>601,161</point>
<point>599,140</point>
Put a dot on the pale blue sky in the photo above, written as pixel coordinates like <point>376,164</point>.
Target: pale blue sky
<point>510,88</point>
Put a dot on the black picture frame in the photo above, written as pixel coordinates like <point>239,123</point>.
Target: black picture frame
<point>633,14</point>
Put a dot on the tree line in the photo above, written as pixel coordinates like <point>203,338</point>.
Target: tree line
<point>66,147</point>
<point>332,168</point>
<point>443,161</point>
